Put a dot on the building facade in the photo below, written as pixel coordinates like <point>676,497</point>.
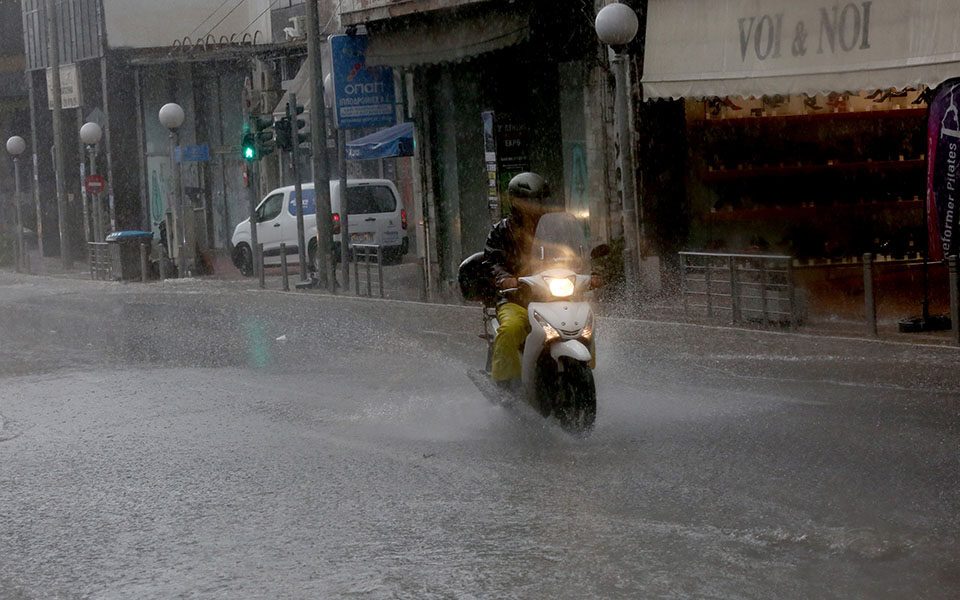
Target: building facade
<point>120,62</point>
<point>14,120</point>
<point>496,88</point>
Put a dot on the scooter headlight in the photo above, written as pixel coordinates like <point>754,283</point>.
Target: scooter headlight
<point>560,287</point>
<point>549,330</point>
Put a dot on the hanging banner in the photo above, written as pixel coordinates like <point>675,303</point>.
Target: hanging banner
<point>943,175</point>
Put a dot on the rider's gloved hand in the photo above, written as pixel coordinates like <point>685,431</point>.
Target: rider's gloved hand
<point>508,283</point>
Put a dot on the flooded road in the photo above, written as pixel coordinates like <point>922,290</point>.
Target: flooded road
<point>200,440</point>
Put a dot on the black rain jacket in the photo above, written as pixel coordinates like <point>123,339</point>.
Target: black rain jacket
<point>507,248</point>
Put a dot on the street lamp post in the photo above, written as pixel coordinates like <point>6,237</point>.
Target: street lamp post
<point>171,117</point>
<point>90,135</point>
<point>616,26</point>
<point>16,146</point>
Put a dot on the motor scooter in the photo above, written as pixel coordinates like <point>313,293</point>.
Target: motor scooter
<point>559,353</point>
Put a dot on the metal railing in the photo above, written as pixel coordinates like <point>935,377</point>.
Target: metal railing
<point>742,287</point>
<point>101,263</point>
<point>368,254</point>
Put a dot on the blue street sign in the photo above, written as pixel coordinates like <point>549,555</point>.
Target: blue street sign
<point>199,153</point>
<point>364,95</point>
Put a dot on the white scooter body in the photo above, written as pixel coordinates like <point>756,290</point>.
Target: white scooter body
<point>567,317</point>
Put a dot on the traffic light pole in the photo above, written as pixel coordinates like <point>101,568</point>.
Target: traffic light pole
<point>253,180</point>
<point>298,186</point>
<point>253,185</point>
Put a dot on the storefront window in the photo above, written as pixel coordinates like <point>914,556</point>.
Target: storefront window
<point>819,177</point>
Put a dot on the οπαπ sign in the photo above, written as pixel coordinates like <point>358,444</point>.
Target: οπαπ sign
<point>364,96</point>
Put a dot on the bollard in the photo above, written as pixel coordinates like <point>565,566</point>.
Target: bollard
<point>283,267</point>
<point>380,268</point>
<point>356,270</point>
<point>954,299</point>
<point>259,260</point>
<point>163,263</point>
<point>366,259</point>
<point>869,298</point>
<point>144,263</point>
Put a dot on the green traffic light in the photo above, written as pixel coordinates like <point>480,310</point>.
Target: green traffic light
<point>249,153</point>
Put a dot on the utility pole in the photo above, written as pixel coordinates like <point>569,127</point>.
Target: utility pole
<point>38,208</point>
<point>344,209</point>
<point>53,62</point>
<point>104,89</point>
<point>253,181</point>
<point>321,165</point>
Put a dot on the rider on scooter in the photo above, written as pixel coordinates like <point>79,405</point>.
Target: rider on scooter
<point>508,245</point>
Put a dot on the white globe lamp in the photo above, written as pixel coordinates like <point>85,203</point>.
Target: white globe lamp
<point>616,24</point>
<point>90,134</point>
<point>16,145</point>
<point>171,115</point>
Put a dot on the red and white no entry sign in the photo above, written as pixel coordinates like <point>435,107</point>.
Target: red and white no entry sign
<point>94,184</point>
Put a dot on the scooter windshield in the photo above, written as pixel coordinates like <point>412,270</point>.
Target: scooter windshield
<point>560,243</point>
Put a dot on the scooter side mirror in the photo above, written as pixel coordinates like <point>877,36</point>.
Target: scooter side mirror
<point>600,251</point>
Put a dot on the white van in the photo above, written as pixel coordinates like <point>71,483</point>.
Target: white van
<point>376,217</point>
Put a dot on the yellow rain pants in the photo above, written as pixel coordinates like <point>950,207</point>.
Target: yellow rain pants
<point>513,330</point>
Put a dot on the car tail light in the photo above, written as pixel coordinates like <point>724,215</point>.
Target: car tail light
<point>403,218</point>
<point>336,223</point>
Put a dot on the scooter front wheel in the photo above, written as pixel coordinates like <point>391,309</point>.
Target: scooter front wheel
<point>575,398</point>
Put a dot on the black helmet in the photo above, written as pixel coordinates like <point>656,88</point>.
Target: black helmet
<point>529,185</point>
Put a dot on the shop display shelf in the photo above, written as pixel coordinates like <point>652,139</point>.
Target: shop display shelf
<point>773,120</point>
<point>877,166</point>
<point>809,212</point>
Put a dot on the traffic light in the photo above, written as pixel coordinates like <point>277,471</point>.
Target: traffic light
<point>257,140</point>
<point>282,129</point>
<point>263,133</point>
<point>298,125</point>
<point>248,144</point>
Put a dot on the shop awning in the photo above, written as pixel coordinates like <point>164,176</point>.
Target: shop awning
<point>386,143</point>
<point>431,40</point>
<point>702,48</point>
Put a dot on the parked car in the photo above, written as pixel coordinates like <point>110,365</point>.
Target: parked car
<point>376,217</point>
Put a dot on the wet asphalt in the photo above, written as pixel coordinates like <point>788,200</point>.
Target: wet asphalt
<point>207,440</point>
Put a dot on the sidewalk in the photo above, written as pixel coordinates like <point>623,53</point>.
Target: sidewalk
<point>402,282</point>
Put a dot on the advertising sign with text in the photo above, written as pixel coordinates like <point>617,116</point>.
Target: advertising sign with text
<point>363,95</point>
<point>943,174</point>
